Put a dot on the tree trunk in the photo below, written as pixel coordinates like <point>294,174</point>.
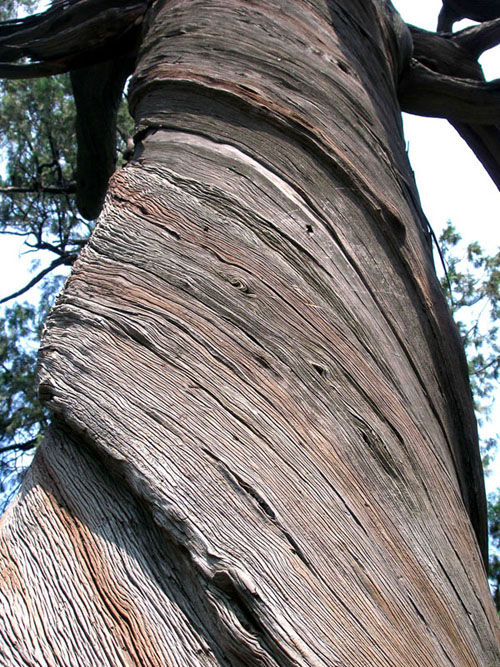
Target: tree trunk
<point>264,450</point>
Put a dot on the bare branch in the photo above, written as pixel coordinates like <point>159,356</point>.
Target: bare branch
<point>479,38</point>
<point>477,371</point>
<point>426,92</point>
<point>43,245</point>
<point>35,189</point>
<point>11,232</point>
<point>67,259</point>
<point>19,447</point>
<point>484,140</point>
<point>36,71</point>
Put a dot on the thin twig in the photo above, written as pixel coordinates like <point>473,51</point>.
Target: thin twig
<point>35,189</point>
<point>67,259</point>
<point>20,447</point>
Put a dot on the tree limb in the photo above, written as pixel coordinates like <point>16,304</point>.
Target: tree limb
<point>32,71</point>
<point>450,55</point>
<point>69,189</point>
<point>67,259</point>
<point>445,54</point>
<point>68,36</point>
<point>73,40</point>
<point>43,245</point>
<point>479,38</point>
<point>446,19</point>
<point>484,141</point>
<point>20,447</point>
<point>477,10</point>
<point>428,93</point>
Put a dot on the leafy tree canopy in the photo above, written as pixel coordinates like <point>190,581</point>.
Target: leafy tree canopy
<point>494,532</point>
<point>22,418</point>
<point>10,8</point>
<point>473,289</point>
<point>472,285</point>
<point>38,146</point>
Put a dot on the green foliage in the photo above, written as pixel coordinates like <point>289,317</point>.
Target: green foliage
<point>37,203</point>
<point>38,163</point>
<point>38,147</point>
<point>494,532</point>
<point>472,287</point>
<point>37,158</point>
<point>22,417</point>
<point>473,290</point>
<point>37,151</point>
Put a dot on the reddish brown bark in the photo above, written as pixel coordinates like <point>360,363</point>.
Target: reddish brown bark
<point>265,451</point>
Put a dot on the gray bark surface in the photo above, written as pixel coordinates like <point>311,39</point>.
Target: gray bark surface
<point>264,450</point>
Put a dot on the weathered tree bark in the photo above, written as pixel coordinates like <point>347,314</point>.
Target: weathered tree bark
<point>264,450</point>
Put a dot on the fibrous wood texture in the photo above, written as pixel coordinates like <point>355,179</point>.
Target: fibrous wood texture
<point>264,450</point>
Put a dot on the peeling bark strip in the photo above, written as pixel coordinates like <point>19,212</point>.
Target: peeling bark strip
<point>264,451</point>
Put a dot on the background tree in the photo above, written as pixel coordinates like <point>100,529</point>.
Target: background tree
<point>264,448</point>
<point>472,286</point>
<point>37,188</point>
<point>23,420</point>
<point>37,121</point>
<point>37,203</point>
<point>494,530</point>
<point>39,147</point>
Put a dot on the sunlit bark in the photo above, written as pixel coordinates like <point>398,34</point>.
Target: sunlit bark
<point>264,450</point>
